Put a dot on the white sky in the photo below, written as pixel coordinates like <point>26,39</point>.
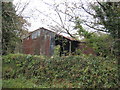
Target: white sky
<point>38,20</point>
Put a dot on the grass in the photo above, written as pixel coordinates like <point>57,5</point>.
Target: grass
<point>22,82</point>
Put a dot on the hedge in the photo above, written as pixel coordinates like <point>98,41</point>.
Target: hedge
<point>71,71</point>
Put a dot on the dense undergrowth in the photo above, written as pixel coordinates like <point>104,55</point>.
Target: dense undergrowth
<point>27,71</point>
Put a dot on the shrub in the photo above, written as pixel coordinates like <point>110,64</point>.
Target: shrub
<point>70,71</point>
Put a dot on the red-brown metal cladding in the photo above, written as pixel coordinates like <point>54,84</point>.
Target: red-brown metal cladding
<point>38,44</point>
<point>86,49</point>
<point>47,45</point>
<point>27,46</point>
<point>42,42</point>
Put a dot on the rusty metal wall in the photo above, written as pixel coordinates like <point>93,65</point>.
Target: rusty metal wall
<point>86,49</point>
<point>40,42</point>
<point>27,46</point>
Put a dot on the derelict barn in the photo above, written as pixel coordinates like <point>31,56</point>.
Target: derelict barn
<point>67,45</point>
<point>43,41</point>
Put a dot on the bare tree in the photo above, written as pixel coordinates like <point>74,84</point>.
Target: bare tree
<point>19,9</point>
<point>66,15</point>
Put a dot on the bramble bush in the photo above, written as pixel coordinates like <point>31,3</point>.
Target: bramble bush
<point>78,71</point>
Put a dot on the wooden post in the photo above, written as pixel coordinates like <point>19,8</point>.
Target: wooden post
<point>69,47</point>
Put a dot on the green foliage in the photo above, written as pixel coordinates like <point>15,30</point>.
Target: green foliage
<point>22,82</point>
<point>81,30</point>
<point>56,51</point>
<point>101,43</point>
<point>12,27</point>
<point>61,72</point>
<point>78,52</point>
<point>97,41</point>
<point>108,15</point>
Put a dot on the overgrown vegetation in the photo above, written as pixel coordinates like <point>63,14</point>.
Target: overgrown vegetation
<point>102,43</point>
<point>60,72</point>
<point>12,29</point>
<point>78,71</point>
<point>108,15</point>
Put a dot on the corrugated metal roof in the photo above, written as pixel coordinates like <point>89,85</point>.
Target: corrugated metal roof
<point>72,39</point>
